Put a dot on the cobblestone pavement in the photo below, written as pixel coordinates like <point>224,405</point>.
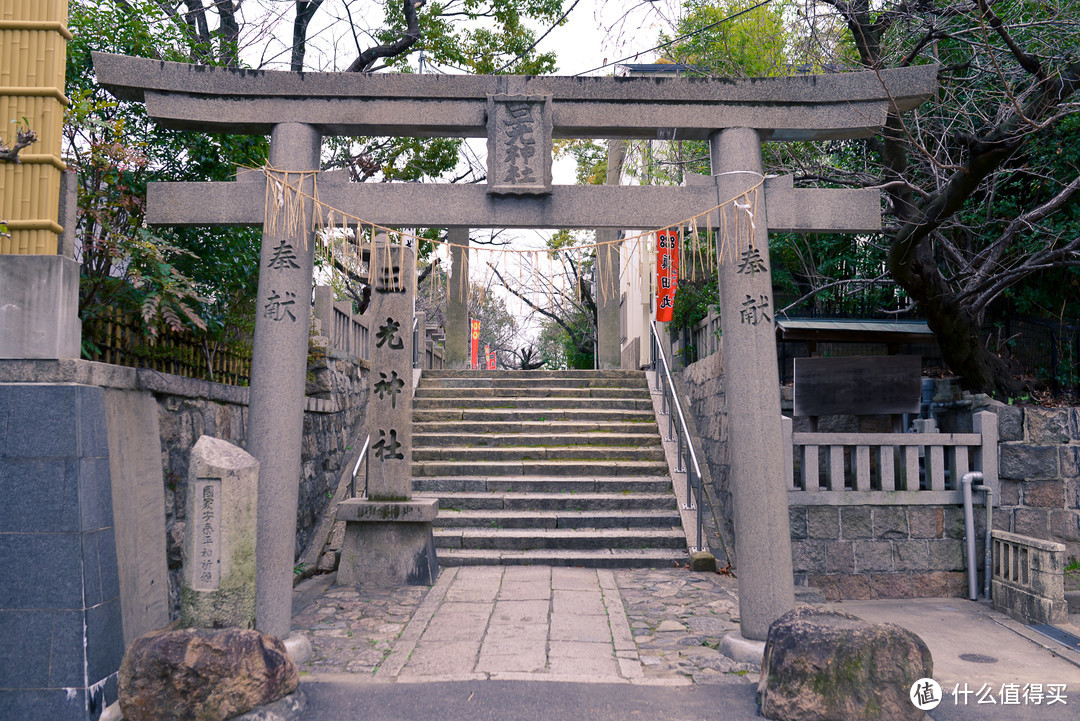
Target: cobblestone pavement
<point>674,617</point>
<point>352,630</point>
<point>677,619</point>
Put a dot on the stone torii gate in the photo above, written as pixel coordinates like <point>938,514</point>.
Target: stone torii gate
<point>520,116</point>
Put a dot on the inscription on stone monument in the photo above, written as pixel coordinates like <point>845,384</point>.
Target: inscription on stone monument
<point>390,407</point>
<point>519,144</point>
<point>207,534</point>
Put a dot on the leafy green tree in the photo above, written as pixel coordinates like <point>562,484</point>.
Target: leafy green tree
<point>731,38</point>
<point>194,278</point>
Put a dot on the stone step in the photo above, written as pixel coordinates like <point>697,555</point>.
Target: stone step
<point>486,428</point>
<point>525,391</point>
<point>421,415</point>
<point>521,454</point>
<point>540,468</point>
<point>546,383</point>
<point>497,539</point>
<point>539,484</point>
<point>604,558</point>
<point>532,375</point>
<point>566,519</point>
<point>447,438</point>
<point>539,501</point>
<point>624,404</point>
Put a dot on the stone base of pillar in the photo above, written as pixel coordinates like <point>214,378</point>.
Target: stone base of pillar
<point>744,650</point>
<point>39,307</point>
<point>388,543</point>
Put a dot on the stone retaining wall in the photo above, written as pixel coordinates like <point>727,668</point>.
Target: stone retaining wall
<point>703,385</point>
<point>863,551</point>
<point>1039,467</point>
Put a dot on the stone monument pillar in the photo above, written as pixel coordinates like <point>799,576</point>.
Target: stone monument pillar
<point>218,588</point>
<point>279,366</point>
<point>755,434</point>
<point>457,301</point>
<point>388,536</point>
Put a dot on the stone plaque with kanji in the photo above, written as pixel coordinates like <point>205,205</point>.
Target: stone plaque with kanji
<point>519,144</point>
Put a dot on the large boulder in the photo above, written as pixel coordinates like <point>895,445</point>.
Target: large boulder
<point>831,666</point>
<point>198,674</point>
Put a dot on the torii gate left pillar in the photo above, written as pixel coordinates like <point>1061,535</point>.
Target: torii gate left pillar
<point>278,374</point>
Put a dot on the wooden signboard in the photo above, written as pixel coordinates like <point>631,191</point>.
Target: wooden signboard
<point>857,385</point>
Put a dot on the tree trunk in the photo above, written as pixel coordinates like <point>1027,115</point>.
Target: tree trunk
<point>957,333</point>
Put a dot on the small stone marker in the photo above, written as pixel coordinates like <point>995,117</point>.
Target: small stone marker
<point>218,588</point>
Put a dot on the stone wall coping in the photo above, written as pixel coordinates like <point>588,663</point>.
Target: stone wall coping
<point>335,354</point>
<point>874,498</point>
<point>107,375</point>
<point>1036,543</point>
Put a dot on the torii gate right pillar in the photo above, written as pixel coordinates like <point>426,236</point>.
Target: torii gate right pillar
<point>755,437</point>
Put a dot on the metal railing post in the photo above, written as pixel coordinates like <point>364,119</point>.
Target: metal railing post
<point>689,465</point>
<point>415,342</point>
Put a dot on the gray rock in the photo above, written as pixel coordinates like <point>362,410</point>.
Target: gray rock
<point>204,674</point>
<point>702,561</point>
<point>822,665</point>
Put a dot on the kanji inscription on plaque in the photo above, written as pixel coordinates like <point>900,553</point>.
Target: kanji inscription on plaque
<point>207,529</point>
<point>519,144</point>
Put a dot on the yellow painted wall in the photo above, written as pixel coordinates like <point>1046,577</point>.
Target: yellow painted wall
<point>33,51</point>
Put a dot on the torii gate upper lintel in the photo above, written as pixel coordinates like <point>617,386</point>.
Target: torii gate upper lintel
<point>520,116</point>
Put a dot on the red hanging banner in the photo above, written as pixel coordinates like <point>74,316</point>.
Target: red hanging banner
<point>475,344</point>
<point>490,358</point>
<point>667,272</point>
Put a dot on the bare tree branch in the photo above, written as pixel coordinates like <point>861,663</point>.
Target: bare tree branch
<point>412,34</point>
<point>305,10</point>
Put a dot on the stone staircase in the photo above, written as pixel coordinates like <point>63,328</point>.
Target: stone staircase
<point>545,467</point>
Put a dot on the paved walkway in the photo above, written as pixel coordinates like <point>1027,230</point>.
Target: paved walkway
<point>487,635</point>
<point>531,623</point>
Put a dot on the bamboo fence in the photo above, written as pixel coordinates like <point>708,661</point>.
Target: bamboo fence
<point>120,339</point>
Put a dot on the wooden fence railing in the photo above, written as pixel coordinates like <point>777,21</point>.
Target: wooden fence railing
<point>120,339</point>
<point>831,468</point>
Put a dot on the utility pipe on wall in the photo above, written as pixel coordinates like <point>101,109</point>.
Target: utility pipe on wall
<point>969,533</point>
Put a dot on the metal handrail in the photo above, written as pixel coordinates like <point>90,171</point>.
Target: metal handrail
<point>356,469</point>
<point>416,342</point>
<point>680,433</point>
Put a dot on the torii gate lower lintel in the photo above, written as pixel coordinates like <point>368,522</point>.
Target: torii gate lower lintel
<point>520,116</point>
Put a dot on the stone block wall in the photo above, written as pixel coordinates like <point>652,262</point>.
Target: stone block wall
<point>1039,467</point>
<point>865,551</point>
<point>703,385</point>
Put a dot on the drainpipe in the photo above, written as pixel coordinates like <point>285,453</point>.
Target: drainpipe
<point>969,532</point>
